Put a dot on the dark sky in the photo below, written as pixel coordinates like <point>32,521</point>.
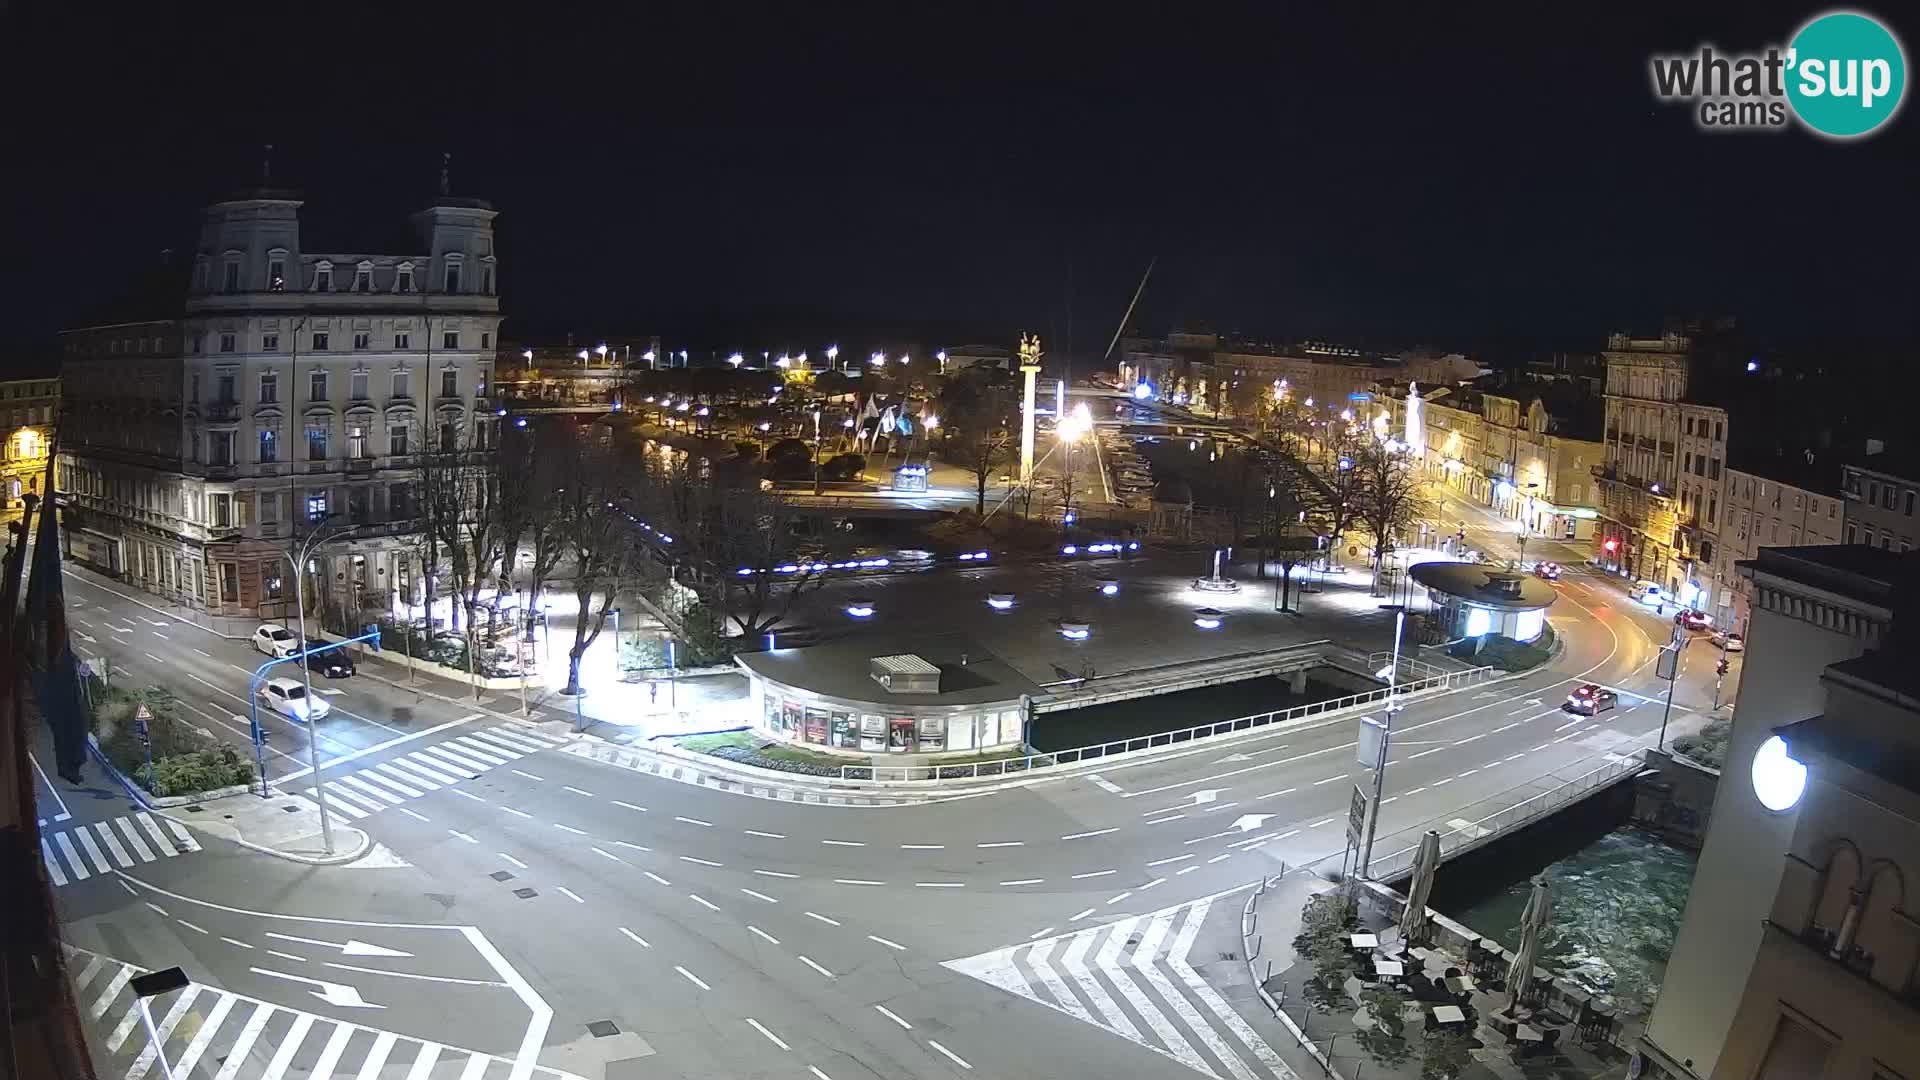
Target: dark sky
<point>739,176</point>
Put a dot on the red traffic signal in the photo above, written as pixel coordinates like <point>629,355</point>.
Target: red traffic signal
<point>1612,546</point>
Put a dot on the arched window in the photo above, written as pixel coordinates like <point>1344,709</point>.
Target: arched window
<point>403,278</point>
<point>1884,946</point>
<point>323,276</point>
<point>1837,884</point>
<point>363,276</point>
<point>452,279</point>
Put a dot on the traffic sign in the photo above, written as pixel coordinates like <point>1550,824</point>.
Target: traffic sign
<point>141,721</point>
<point>1357,816</point>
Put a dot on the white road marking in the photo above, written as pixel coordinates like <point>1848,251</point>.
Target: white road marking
<point>569,828</point>
<point>889,944</point>
<point>412,814</point>
<point>157,909</point>
<point>569,894</point>
<point>1174,859</point>
<point>629,806</point>
<point>636,847</point>
<point>701,862</point>
<point>1003,843</point>
<point>957,1059</point>
<point>771,1037</point>
<point>1508,727</point>
<point>466,795</point>
<point>843,843</point>
<point>1322,821</point>
<point>1040,933</point>
<point>817,1074</point>
<point>695,821</point>
<point>1164,820</point>
<point>823,918</point>
<point>461,835</point>
<point>1282,791</point>
<point>1094,874</point>
<point>153,658</point>
<point>893,1016</point>
<point>237,943</point>
<point>511,859</point>
<point>528,775</point>
<point>1084,835</point>
<point>286,956</point>
<point>1151,884</point>
<point>1542,746</point>
<point>939,884</point>
<point>1217,858</point>
<point>923,847</point>
<point>762,934</point>
<point>576,791</point>
<point>1330,779</point>
<point>775,873</point>
<point>1082,915</point>
<point>657,878</point>
<point>189,926</point>
<point>768,835</point>
<point>1025,881</point>
<point>823,971</point>
<point>1468,739</point>
<point>1187,871</point>
<point>758,895</point>
<point>1119,898</point>
<point>605,854</point>
<point>856,881</point>
<point>691,977</point>
<point>1424,753</point>
<point>517,812</point>
<point>1415,791</point>
<point>636,938</point>
<point>703,901</point>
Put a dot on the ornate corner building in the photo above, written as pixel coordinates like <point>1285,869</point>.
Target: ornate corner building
<point>291,388</point>
<point>28,408</point>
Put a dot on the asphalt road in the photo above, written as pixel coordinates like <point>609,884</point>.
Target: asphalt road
<point>521,892</point>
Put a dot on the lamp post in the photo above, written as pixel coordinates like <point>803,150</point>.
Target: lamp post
<point>299,561</point>
<point>816,448</point>
<point>152,985</point>
<point>1386,737</point>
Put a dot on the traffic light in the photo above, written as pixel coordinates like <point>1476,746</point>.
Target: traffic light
<point>1721,667</point>
<point>1611,546</point>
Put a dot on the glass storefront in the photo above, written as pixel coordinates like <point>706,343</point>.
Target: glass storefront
<point>832,727</point>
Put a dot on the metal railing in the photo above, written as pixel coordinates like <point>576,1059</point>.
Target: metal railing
<point>1418,668</point>
<point>1459,837</point>
<point>1016,766</point>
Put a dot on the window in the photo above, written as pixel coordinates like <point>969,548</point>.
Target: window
<point>320,341</point>
<point>277,275</point>
<point>269,342</point>
<point>357,505</point>
<point>357,386</point>
<point>219,447</point>
<point>449,437</point>
<point>1713,505</point>
<point>486,280</point>
<point>449,382</point>
<point>453,277</point>
<point>400,383</point>
<point>450,339</point>
<point>363,278</point>
<point>357,443</point>
<point>229,583</point>
<point>1719,431</point>
<point>220,510</point>
<point>201,272</point>
<point>1713,469</point>
<point>1873,491</point>
<point>1909,503</point>
<point>269,448</point>
<point>400,502</point>
<point>269,508</point>
<point>402,341</point>
<point>397,440</point>
<point>223,389</point>
<point>1886,541</point>
<point>1853,533</point>
<point>316,504</point>
<point>196,342</point>
<point>230,281</point>
<point>226,342</point>
<point>270,580</point>
<point>269,388</point>
<point>1886,496</point>
<point>323,278</point>
<point>403,281</point>
<point>362,340</point>
<point>317,386</point>
<point>486,339</point>
<point>316,443</point>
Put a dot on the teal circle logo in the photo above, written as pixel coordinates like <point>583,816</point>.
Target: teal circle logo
<point>1846,74</point>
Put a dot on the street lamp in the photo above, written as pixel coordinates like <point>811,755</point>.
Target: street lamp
<point>299,561</point>
<point>833,353</point>
<point>816,449</point>
<point>736,360</point>
<point>527,354</point>
<point>602,350</point>
<point>648,357</point>
<point>1386,734</point>
<point>152,985</point>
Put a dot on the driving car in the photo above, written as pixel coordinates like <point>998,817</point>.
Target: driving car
<point>1647,593</point>
<point>275,640</point>
<point>1731,642</point>
<point>1693,620</point>
<point>1547,571</point>
<point>334,664</point>
<point>289,698</point>
<point>1591,700</point>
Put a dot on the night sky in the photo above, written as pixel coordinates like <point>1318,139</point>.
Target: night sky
<point>734,176</point>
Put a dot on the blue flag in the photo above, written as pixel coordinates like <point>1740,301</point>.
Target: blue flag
<point>55,672</point>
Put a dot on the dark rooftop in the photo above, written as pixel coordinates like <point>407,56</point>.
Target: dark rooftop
<point>841,669</point>
<point>1801,467</point>
<point>1869,575</point>
<point>1484,585</point>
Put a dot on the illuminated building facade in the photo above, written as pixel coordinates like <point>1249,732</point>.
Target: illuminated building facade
<point>29,409</point>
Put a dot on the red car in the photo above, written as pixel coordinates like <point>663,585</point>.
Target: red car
<point>1693,620</point>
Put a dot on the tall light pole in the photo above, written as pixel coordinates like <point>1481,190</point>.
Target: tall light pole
<point>816,450</point>
<point>299,561</point>
<point>1030,371</point>
<point>1386,737</point>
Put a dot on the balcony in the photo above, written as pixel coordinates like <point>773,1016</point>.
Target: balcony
<point>225,471</point>
<point>218,412</point>
<point>360,466</point>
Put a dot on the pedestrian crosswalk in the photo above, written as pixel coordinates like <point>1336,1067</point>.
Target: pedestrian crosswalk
<point>1133,979</point>
<point>125,842</point>
<point>211,1034</point>
<point>373,788</point>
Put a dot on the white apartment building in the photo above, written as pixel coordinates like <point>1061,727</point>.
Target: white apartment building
<point>292,387</point>
<point>1788,502</point>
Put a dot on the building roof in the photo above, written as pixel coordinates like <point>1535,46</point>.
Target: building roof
<point>970,674</point>
<point>1804,468</point>
<point>1484,585</point>
<point>1868,575</point>
<point>905,664</point>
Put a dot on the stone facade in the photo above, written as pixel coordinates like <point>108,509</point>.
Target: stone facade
<point>1881,498</point>
<point>1766,509</point>
<point>292,387</point>
<point>29,409</point>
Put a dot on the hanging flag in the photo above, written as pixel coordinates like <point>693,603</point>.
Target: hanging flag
<point>55,673</point>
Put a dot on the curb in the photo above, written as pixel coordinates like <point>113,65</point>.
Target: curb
<point>147,802</point>
<point>1249,917</point>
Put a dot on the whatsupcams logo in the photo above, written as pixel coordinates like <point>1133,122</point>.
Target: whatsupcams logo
<point>1842,76</point>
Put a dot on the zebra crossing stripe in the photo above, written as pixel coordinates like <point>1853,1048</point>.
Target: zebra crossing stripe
<point>1075,961</point>
<point>354,800</point>
<point>93,849</point>
<point>1111,963</point>
<point>423,1064</point>
<point>164,1031</point>
<point>203,1038</point>
<point>112,990</point>
<point>58,875</point>
<point>517,749</point>
<point>243,1046</point>
<point>491,754</point>
<point>80,872</point>
<point>466,765</point>
<point>377,1057</point>
<point>133,837</point>
<point>398,770</point>
<point>182,836</point>
<point>330,1053</point>
<point>120,855</point>
<point>383,785</point>
<point>414,762</point>
<point>289,1046</point>
<point>87,973</point>
<point>160,840</point>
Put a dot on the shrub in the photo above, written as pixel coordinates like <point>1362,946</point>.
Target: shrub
<point>186,759</point>
<point>1708,748</point>
<point>844,467</point>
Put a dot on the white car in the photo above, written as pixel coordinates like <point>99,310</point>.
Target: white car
<point>1729,641</point>
<point>276,641</point>
<point>289,698</point>
<point>1646,592</point>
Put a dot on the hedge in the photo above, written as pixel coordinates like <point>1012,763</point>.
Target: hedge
<point>186,760</point>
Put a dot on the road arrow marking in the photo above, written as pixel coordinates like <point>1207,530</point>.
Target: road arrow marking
<point>1248,822</point>
<point>1232,758</point>
<point>1535,701</point>
<point>1206,795</point>
<point>347,948</point>
<point>88,638</point>
<point>332,993</point>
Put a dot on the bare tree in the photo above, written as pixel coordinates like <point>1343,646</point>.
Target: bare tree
<point>1390,498</point>
<point>977,411</point>
<point>599,539</point>
<point>461,500</point>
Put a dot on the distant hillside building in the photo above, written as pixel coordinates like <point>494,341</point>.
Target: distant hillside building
<point>29,408</point>
<point>290,387</point>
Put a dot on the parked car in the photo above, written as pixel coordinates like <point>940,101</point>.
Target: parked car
<point>1547,571</point>
<point>289,698</point>
<point>275,640</point>
<point>1591,700</point>
<point>1693,620</point>
<point>334,664</point>
<point>1646,592</point>
<point>1729,641</point>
